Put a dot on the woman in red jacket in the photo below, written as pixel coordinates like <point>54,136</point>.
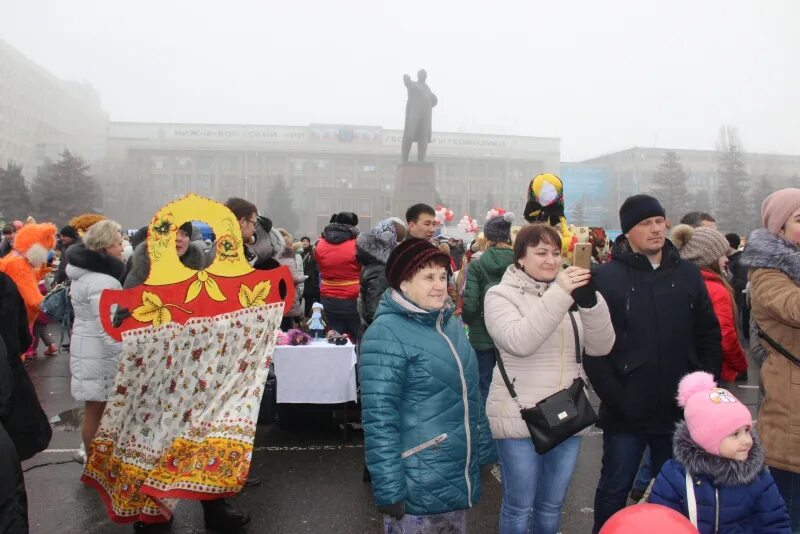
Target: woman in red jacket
<point>340,273</point>
<point>708,249</point>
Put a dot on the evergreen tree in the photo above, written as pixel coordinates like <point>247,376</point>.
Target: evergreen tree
<point>64,189</point>
<point>700,201</point>
<point>760,190</point>
<point>280,209</point>
<point>731,212</point>
<point>578,215</point>
<point>669,186</point>
<point>15,200</point>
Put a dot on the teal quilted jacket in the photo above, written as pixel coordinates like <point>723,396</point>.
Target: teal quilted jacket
<point>424,430</point>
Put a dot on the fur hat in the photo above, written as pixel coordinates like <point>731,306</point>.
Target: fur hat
<point>498,229</point>
<point>408,257</point>
<point>34,241</point>
<point>701,246</point>
<point>83,222</point>
<point>637,208</point>
<point>711,413</point>
<point>778,207</point>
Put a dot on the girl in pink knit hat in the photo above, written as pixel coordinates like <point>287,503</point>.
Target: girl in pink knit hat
<point>717,477</point>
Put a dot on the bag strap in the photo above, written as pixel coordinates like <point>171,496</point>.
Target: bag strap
<point>691,501</point>
<point>578,352</point>
<point>777,346</point>
<point>503,373</point>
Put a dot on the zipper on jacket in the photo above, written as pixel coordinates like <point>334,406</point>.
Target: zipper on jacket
<point>465,399</point>
<point>434,442</point>
<point>716,511</point>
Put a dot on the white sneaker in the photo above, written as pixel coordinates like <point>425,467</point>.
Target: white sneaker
<point>80,455</point>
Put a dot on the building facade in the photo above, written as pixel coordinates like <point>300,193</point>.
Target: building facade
<point>41,116</point>
<point>631,171</point>
<point>328,168</point>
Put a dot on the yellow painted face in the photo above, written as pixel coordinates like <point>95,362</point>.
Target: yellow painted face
<point>166,267</point>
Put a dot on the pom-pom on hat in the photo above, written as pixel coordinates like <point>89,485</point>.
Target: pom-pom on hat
<point>701,246</point>
<point>778,207</point>
<point>711,413</point>
<point>498,229</point>
<point>409,257</point>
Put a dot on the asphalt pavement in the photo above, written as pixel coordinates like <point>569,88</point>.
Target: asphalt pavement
<point>311,473</point>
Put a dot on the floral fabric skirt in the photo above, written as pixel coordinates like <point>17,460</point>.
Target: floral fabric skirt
<point>181,417</point>
<point>446,523</point>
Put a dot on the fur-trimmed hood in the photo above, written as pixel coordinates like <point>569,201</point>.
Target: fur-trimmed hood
<point>97,262</point>
<point>194,258</point>
<point>336,233</point>
<point>372,249</point>
<point>769,251</point>
<point>723,471</point>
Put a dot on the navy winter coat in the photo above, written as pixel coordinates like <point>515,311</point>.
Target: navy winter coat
<point>731,496</point>
<point>424,430</point>
<point>665,328</point>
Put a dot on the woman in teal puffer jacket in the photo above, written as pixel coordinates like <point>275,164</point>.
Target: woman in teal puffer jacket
<point>424,430</point>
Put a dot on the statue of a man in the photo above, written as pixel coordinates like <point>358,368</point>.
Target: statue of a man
<point>418,115</point>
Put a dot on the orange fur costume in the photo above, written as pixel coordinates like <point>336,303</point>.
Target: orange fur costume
<point>24,264</point>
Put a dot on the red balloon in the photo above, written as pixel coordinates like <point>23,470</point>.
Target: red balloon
<point>648,518</point>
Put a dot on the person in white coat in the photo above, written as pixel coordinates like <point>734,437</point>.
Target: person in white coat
<point>528,317</point>
<point>93,266</point>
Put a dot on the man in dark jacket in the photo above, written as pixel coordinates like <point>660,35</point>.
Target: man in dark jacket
<point>739,282</point>
<point>311,270</point>
<point>69,237</point>
<point>665,328</point>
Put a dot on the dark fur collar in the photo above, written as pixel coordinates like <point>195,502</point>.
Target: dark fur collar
<point>371,249</point>
<point>768,251</point>
<point>724,472</point>
<point>336,233</point>
<point>98,262</point>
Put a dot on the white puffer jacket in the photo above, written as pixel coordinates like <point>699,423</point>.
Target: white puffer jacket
<point>531,328</point>
<point>94,355</point>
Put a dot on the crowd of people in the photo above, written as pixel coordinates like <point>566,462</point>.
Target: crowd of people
<point>461,348</point>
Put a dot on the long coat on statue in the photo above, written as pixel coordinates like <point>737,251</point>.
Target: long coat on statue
<point>419,111</point>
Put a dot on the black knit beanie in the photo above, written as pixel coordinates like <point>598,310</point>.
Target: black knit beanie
<point>637,208</point>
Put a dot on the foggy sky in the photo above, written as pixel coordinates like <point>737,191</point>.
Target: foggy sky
<point>602,76</point>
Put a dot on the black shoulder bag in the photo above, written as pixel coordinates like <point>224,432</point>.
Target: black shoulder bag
<point>559,416</point>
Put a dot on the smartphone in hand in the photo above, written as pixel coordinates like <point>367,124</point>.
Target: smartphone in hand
<point>583,255</point>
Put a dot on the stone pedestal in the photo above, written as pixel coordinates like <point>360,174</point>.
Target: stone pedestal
<point>414,183</point>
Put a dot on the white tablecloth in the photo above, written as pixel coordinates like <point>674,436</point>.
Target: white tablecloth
<point>318,373</point>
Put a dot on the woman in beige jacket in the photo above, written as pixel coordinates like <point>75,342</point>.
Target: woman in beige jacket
<point>527,316</point>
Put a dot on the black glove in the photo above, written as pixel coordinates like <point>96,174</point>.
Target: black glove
<point>396,510</point>
<point>120,315</point>
<point>586,296</point>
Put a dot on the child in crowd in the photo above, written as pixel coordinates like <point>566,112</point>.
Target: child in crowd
<point>717,477</point>
<point>316,325</point>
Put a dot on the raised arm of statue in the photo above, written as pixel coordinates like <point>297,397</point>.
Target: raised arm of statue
<point>407,80</point>
<point>434,100</point>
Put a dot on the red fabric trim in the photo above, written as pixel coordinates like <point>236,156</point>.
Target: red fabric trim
<point>185,494</point>
<point>144,518</point>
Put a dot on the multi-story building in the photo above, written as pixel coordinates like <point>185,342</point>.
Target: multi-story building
<point>40,115</point>
<point>631,171</point>
<point>328,168</point>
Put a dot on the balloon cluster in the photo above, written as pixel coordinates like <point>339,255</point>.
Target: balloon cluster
<point>443,214</point>
<point>494,212</point>
<point>468,225</point>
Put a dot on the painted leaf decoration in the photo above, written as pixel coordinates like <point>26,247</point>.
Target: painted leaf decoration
<point>152,310</point>
<point>194,291</point>
<point>212,288</point>
<point>245,296</point>
<point>163,316</point>
<point>256,296</point>
<point>261,292</point>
